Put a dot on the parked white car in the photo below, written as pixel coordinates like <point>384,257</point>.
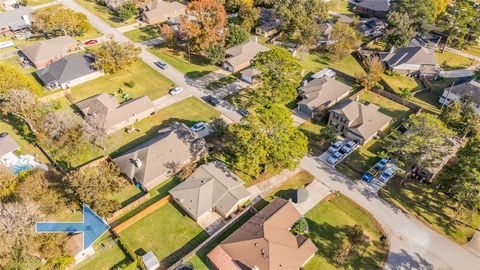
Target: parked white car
<point>334,158</point>
<point>335,147</point>
<point>198,126</point>
<point>175,90</point>
<point>388,174</point>
<point>348,147</point>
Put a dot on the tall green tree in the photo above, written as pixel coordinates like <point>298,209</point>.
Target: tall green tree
<point>216,53</point>
<point>400,30</point>
<point>346,38</point>
<point>267,141</point>
<point>422,13</point>
<point>281,75</point>
<point>127,11</point>
<point>374,71</point>
<point>236,35</point>
<point>113,56</point>
<point>249,15</point>
<point>462,23</point>
<point>462,117</point>
<point>476,73</point>
<point>59,21</point>
<point>12,78</point>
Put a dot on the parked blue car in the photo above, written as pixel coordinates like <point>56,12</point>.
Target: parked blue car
<point>367,177</point>
<point>381,164</point>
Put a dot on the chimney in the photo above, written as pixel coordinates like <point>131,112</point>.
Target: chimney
<point>137,163</point>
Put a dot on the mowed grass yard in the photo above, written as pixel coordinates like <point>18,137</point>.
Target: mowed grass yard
<point>315,61</point>
<point>366,156</point>
<point>144,33</point>
<point>168,232</point>
<point>400,81</point>
<point>108,255</point>
<point>188,111</point>
<point>327,222</point>
<point>421,201</point>
<point>429,100</point>
<point>449,61</point>
<point>147,82</point>
<point>179,60</point>
<point>105,13</point>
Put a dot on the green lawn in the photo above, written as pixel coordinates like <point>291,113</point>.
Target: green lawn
<point>421,201</point>
<point>144,33</point>
<point>108,255</point>
<point>473,50</point>
<point>168,232</point>
<point>399,81</point>
<point>37,2</point>
<point>147,82</point>
<point>327,222</point>
<point>179,60</point>
<point>430,99</point>
<point>387,106</point>
<point>127,195</point>
<point>340,6</point>
<point>104,13</point>
<point>312,131</point>
<point>222,82</point>
<point>450,61</point>
<point>188,111</point>
<point>315,61</point>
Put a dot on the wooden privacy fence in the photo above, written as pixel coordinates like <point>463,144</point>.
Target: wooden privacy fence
<point>56,95</point>
<point>127,208</point>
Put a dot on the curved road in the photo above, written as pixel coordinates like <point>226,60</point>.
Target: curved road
<point>412,244</point>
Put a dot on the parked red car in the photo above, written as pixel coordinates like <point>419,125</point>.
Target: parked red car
<point>91,42</point>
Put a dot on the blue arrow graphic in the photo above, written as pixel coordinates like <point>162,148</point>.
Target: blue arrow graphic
<point>92,227</point>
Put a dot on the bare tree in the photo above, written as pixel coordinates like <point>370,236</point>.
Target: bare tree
<point>93,132</point>
<point>8,183</point>
<point>21,103</point>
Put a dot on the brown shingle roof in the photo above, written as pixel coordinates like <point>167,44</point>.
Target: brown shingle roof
<point>244,52</point>
<point>48,49</point>
<point>323,90</point>
<point>266,242</point>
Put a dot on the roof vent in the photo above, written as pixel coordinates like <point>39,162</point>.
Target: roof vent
<point>137,162</point>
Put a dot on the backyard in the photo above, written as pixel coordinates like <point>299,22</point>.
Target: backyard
<point>108,255</point>
<point>144,33</point>
<point>138,80</point>
<point>178,59</point>
<point>398,81</point>
<point>312,131</point>
<point>433,208</point>
<point>449,61</point>
<point>430,99</point>
<point>327,223</point>
<point>168,232</point>
<point>36,86</point>
<point>105,13</point>
<point>315,61</point>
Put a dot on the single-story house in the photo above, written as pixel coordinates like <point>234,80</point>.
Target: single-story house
<point>373,8</point>
<point>45,52</point>
<point>15,20</point>
<point>106,112</point>
<point>250,75</point>
<point>239,57</point>
<point>265,242</point>
<point>357,121</point>
<point>458,92</point>
<point>320,94</point>
<point>7,145</point>
<point>74,247</point>
<point>154,161</point>
<point>268,25</point>
<point>159,11</point>
<point>413,61</point>
<point>150,261</point>
<point>69,71</point>
<point>212,187</point>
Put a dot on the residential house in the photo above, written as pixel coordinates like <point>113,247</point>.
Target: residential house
<point>212,187</point>
<point>240,56</point>
<point>413,61</point>
<point>357,121</point>
<point>150,261</point>
<point>45,52</point>
<point>104,111</point>
<point>250,75</point>
<point>268,25</point>
<point>373,8</point>
<point>74,247</point>
<point>371,27</point>
<point>159,11</point>
<point>265,242</point>
<point>15,20</point>
<point>457,93</point>
<point>154,161</point>
<point>69,71</point>
<point>320,94</point>
<point>7,145</point>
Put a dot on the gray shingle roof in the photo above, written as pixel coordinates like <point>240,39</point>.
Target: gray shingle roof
<point>48,49</point>
<point>376,5</point>
<point>107,112</point>
<point>244,52</point>
<point>471,89</point>
<point>7,144</point>
<point>66,69</point>
<point>410,55</point>
<point>211,186</point>
<point>14,19</point>
<point>322,91</point>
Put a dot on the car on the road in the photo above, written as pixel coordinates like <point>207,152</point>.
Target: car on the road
<point>349,146</point>
<point>334,158</point>
<point>381,164</point>
<point>198,126</point>
<point>211,100</point>
<point>387,174</point>
<point>161,64</point>
<point>90,42</point>
<point>243,112</point>
<point>175,90</point>
<point>335,147</point>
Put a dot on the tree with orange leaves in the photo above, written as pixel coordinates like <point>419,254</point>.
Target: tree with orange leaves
<point>205,24</point>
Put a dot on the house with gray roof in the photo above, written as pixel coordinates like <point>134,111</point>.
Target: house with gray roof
<point>373,8</point>
<point>69,71</point>
<point>158,11</point>
<point>413,61</point>
<point>153,161</point>
<point>15,20</point>
<point>239,57</point>
<point>212,187</point>
<point>357,121</point>
<point>105,111</point>
<point>459,92</point>
<point>320,94</point>
<point>7,144</point>
<point>45,52</point>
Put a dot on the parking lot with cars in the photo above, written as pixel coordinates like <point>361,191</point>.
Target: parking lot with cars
<point>337,152</point>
